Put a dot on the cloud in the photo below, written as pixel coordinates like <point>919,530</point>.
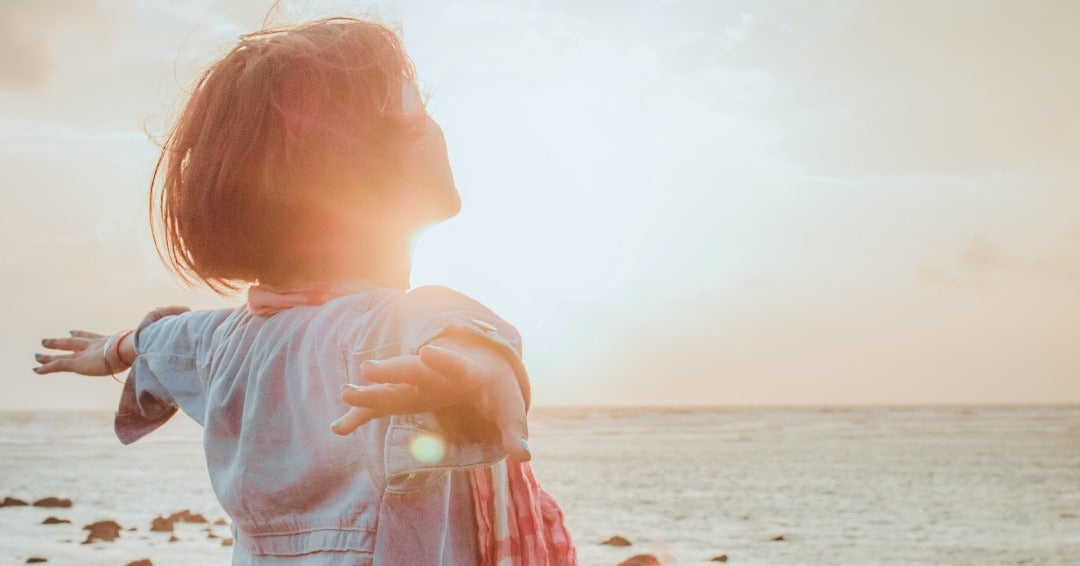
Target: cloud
<point>881,88</point>
<point>28,33</point>
<point>980,261</point>
<point>980,254</point>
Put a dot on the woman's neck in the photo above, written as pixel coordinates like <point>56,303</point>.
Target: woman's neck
<point>389,264</point>
<point>391,270</point>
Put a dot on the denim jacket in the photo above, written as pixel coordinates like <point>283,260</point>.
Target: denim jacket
<point>265,389</point>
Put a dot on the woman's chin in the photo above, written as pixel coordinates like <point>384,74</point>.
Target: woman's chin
<point>453,207</point>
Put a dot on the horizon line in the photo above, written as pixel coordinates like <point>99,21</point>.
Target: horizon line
<point>733,406</point>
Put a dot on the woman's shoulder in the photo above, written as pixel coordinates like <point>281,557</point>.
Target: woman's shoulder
<point>437,297</point>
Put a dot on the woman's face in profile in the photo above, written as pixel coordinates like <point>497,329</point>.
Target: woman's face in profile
<point>428,183</point>
<point>423,193</point>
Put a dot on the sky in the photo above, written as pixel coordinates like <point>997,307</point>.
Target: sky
<point>676,202</point>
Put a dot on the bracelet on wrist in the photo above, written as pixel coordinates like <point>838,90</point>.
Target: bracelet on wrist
<point>119,356</point>
<point>110,343</point>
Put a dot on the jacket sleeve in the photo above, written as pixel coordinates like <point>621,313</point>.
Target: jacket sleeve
<point>172,348</point>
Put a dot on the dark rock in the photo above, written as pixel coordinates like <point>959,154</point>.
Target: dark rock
<point>186,516</point>
<point>53,502</point>
<point>36,560</point>
<point>221,522</point>
<point>616,541</point>
<point>161,525</point>
<point>143,562</point>
<point>211,536</point>
<point>719,558</point>
<point>173,538</point>
<point>12,502</point>
<point>55,521</point>
<point>102,530</point>
<point>226,542</point>
<point>777,538</point>
<point>640,560</point>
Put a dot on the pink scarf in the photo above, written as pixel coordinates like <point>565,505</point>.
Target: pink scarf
<point>264,300</point>
<point>517,522</point>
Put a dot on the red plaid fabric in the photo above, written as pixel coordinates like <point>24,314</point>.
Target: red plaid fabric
<point>517,522</point>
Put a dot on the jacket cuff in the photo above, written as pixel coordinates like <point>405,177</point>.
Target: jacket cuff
<point>419,443</point>
<point>139,415</point>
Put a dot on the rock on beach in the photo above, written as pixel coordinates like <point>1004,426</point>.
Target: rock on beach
<point>186,516</point>
<point>166,524</point>
<point>641,560</point>
<point>36,560</point>
<point>617,541</point>
<point>143,562</point>
<point>102,530</point>
<point>161,525</point>
<point>12,502</point>
<point>53,502</point>
<point>55,521</point>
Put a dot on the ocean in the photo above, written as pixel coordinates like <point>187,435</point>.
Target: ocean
<point>763,486</point>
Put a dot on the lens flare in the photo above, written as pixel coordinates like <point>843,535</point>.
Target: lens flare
<point>427,448</point>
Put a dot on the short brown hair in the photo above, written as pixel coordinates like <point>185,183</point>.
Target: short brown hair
<point>274,134</point>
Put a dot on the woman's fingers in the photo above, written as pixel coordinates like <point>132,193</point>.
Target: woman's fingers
<point>400,369</point>
<point>46,358</point>
<point>85,334</point>
<point>380,400</point>
<point>386,398</point>
<point>52,363</point>
<point>85,357</point>
<point>72,344</point>
<point>454,365</point>
<point>352,420</point>
<point>399,385</point>
<point>78,342</point>
<point>56,364</point>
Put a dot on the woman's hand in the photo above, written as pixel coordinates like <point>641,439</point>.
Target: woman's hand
<point>446,372</point>
<point>86,355</point>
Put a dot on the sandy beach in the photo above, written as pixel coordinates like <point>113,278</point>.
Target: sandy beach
<point>922,485</point>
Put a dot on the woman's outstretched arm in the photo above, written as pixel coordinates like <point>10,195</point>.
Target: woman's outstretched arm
<point>448,371</point>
